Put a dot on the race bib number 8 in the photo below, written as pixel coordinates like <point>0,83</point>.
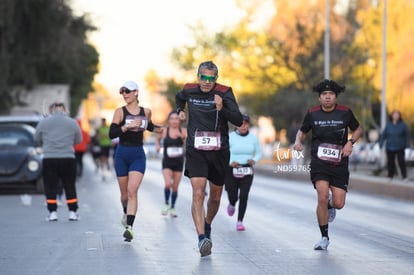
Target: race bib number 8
<point>207,141</point>
<point>329,152</point>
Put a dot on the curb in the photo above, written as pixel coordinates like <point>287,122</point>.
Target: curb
<point>358,182</point>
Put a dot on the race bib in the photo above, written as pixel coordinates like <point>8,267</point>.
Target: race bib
<point>329,152</point>
<point>142,127</point>
<point>207,141</point>
<point>175,152</point>
<point>240,172</point>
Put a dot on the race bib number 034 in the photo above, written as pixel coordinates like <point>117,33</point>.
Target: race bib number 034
<point>329,152</point>
<point>207,141</point>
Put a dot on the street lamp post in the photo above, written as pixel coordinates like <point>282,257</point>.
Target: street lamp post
<point>327,38</point>
<point>384,77</point>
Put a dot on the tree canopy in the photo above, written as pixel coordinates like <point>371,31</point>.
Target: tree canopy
<point>272,69</point>
<point>43,42</point>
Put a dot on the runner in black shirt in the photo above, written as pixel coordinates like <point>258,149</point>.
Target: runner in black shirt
<point>330,149</point>
<point>210,106</point>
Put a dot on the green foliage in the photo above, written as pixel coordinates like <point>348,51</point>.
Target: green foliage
<point>43,42</point>
<point>272,70</point>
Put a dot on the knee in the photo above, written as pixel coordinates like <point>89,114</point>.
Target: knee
<point>338,204</point>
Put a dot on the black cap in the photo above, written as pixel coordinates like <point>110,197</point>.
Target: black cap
<point>328,85</point>
<point>246,118</point>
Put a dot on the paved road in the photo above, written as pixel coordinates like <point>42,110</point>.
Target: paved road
<point>371,235</point>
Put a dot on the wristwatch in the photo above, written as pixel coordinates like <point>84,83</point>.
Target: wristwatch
<point>352,141</point>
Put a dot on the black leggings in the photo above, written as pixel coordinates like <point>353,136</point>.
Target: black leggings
<point>238,190</point>
<point>400,154</point>
<point>63,170</point>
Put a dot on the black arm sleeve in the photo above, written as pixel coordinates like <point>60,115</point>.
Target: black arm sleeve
<point>151,126</point>
<point>180,102</point>
<point>231,110</point>
<point>114,131</point>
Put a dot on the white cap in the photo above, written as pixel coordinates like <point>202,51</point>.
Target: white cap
<point>130,85</point>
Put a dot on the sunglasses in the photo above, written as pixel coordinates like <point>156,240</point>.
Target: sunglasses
<point>125,90</point>
<point>209,78</point>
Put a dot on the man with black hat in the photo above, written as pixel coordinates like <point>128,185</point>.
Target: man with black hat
<point>330,149</point>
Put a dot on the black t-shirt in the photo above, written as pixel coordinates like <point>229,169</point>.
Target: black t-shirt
<point>329,128</point>
<point>202,112</point>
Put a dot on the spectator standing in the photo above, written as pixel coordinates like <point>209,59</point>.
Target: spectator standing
<point>210,107</point>
<point>396,136</point>
<point>58,134</point>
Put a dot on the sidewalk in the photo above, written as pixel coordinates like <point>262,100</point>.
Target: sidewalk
<point>362,179</point>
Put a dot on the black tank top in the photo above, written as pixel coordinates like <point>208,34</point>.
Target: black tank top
<point>171,142</point>
<point>131,138</point>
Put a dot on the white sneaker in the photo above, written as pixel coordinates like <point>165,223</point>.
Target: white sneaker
<point>73,216</point>
<point>124,220</point>
<point>173,213</point>
<point>322,244</point>
<point>165,209</point>
<point>331,211</point>
<point>52,217</point>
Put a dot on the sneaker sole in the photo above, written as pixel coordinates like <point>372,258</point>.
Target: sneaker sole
<point>205,248</point>
<point>127,235</point>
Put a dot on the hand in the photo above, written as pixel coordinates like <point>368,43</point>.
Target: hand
<point>182,116</point>
<point>219,102</point>
<point>251,162</point>
<point>298,147</point>
<point>347,150</point>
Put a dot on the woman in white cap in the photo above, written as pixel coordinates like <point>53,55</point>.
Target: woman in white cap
<point>128,124</point>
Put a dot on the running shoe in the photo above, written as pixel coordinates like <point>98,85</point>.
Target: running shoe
<point>240,226</point>
<point>73,216</point>
<point>165,209</point>
<point>322,244</point>
<point>205,247</point>
<point>124,220</point>
<point>230,210</point>
<point>52,217</point>
<point>128,234</point>
<point>331,211</point>
<point>173,213</point>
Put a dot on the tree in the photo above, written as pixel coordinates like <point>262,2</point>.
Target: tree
<point>42,42</point>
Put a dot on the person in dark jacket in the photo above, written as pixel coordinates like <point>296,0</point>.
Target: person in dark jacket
<point>397,138</point>
<point>211,106</point>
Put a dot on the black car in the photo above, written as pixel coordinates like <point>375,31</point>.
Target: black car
<point>20,159</point>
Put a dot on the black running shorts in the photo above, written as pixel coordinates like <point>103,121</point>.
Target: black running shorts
<point>337,176</point>
<point>207,164</point>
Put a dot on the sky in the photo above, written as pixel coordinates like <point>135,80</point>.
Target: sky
<point>135,36</point>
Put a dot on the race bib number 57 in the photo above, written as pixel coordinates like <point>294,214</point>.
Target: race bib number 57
<point>330,152</point>
<point>206,140</point>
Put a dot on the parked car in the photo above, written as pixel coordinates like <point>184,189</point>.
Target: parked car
<point>29,119</point>
<point>20,158</point>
